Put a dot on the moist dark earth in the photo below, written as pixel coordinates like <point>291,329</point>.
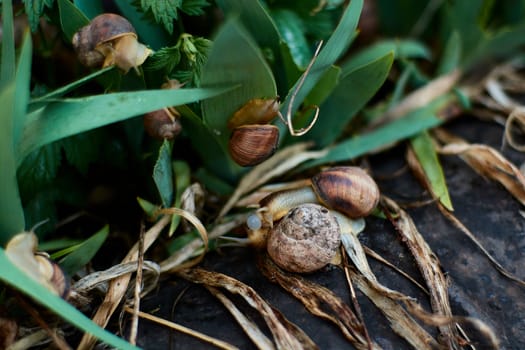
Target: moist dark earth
<point>476,288</point>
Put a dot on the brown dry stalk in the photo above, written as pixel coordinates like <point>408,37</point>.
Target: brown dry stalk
<point>136,294</point>
<point>316,299</point>
<point>286,335</point>
<point>515,124</point>
<point>428,264</point>
<point>216,342</point>
<point>486,161</point>
<point>118,286</point>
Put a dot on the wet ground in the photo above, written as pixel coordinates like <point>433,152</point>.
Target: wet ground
<point>476,289</point>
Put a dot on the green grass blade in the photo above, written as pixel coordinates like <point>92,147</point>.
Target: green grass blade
<point>7,68</point>
<point>22,81</point>
<point>419,120</point>
<point>332,50</point>
<point>11,275</point>
<point>84,252</point>
<point>71,116</point>
<point>225,65</point>
<point>71,18</point>
<point>163,174</point>
<point>451,57</point>
<point>11,211</point>
<point>352,93</point>
<point>426,155</point>
<point>91,8</point>
<point>38,102</point>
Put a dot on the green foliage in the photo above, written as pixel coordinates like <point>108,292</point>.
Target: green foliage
<point>163,174</point>
<point>184,60</point>
<point>13,276</point>
<point>34,10</point>
<point>166,11</point>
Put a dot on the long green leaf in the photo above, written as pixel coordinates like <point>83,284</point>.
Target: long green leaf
<point>7,68</point>
<point>234,58</point>
<point>355,89</point>
<point>338,43</point>
<point>22,80</point>
<point>71,116</point>
<point>11,211</point>
<point>163,174</point>
<point>419,120</point>
<point>426,155</point>
<point>11,275</point>
<point>71,18</point>
<point>84,252</point>
<point>91,8</point>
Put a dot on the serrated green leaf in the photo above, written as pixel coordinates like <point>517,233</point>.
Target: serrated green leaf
<point>352,93</point>
<point>71,116</point>
<point>83,149</point>
<point>82,253</point>
<point>426,155</point>
<point>194,7</point>
<point>149,33</point>
<point>226,65</point>
<point>13,276</point>
<point>334,47</point>
<point>71,18</point>
<point>163,174</point>
<point>164,11</point>
<point>34,10</point>
<point>416,121</point>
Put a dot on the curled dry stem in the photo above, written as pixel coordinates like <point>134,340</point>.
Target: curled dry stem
<point>288,120</point>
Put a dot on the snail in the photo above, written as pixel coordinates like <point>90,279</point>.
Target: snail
<point>109,39</point>
<point>21,250</point>
<point>305,240</point>
<point>253,140</point>
<point>348,190</point>
<point>164,123</point>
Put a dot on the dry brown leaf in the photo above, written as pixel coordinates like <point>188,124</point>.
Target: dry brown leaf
<point>118,286</point>
<point>286,335</point>
<point>428,264</point>
<point>515,124</point>
<point>487,162</point>
<point>260,340</point>
<point>8,332</point>
<point>317,299</point>
<point>385,298</point>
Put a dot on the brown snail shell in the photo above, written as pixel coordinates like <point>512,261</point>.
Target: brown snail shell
<point>305,240</point>
<point>109,39</point>
<point>252,144</point>
<point>349,190</point>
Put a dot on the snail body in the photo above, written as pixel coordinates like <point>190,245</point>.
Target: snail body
<point>253,140</point>
<point>305,240</point>
<point>109,39</point>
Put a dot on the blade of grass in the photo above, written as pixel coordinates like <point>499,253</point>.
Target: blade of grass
<point>84,252</point>
<point>71,18</point>
<point>11,275</point>
<point>413,123</point>
<point>22,81</point>
<point>7,68</point>
<point>71,116</point>
<point>426,155</point>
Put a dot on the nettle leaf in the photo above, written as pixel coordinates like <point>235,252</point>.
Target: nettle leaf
<point>194,7</point>
<point>34,10</point>
<point>164,11</point>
